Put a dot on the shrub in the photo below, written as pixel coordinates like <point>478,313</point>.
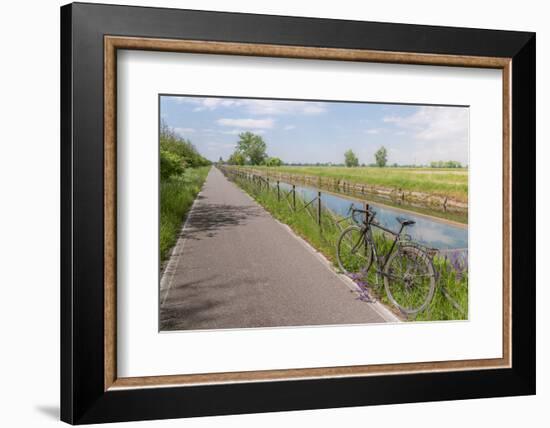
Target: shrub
<point>170,164</point>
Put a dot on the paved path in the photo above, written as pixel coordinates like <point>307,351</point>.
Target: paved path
<point>234,266</point>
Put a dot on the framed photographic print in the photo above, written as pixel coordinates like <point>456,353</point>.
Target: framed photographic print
<point>265,213</point>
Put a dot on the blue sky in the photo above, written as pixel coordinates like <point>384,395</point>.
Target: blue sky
<point>310,132</point>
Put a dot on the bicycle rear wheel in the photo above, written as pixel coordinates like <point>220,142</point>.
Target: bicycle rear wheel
<point>409,279</point>
<point>353,252</point>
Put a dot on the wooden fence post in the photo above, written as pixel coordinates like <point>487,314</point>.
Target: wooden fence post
<point>367,220</point>
<point>278,192</point>
<point>294,197</point>
<point>319,209</point>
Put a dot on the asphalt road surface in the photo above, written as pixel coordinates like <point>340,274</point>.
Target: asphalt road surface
<point>234,266</point>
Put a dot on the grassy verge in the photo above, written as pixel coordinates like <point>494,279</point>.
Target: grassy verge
<point>452,277</point>
<point>177,194</point>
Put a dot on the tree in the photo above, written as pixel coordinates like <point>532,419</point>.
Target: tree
<point>381,156</point>
<point>173,143</point>
<point>252,147</point>
<point>350,158</point>
<point>453,164</point>
<point>236,158</point>
<point>445,164</point>
<point>170,164</point>
<point>273,162</point>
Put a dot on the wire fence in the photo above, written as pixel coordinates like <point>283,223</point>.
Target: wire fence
<point>314,207</point>
<point>393,194</point>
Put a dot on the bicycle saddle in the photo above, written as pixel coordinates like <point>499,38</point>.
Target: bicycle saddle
<point>404,221</point>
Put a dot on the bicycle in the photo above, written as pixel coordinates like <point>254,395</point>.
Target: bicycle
<point>407,269</point>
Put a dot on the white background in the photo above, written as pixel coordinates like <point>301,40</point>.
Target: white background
<point>144,352</point>
<point>29,226</point>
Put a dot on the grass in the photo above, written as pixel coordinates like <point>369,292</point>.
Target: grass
<point>452,182</point>
<point>303,221</point>
<point>177,194</point>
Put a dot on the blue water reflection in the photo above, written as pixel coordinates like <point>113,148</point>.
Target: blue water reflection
<point>428,231</point>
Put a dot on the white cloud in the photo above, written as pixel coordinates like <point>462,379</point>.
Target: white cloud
<point>208,131</point>
<point>438,124</point>
<point>257,107</point>
<point>240,131</point>
<point>247,123</point>
<point>205,103</point>
<point>373,131</point>
<point>432,134</point>
<point>214,103</point>
<point>275,107</point>
<point>183,131</point>
<point>289,127</point>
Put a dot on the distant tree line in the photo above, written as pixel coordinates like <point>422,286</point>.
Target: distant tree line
<point>251,149</point>
<point>381,160</point>
<point>445,164</point>
<point>177,153</point>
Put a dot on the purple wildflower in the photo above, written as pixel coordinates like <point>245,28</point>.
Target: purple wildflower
<point>362,283</point>
<point>458,261</point>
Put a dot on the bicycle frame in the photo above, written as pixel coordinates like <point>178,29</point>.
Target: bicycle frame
<point>367,236</point>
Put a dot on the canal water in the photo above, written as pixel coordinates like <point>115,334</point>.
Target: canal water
<point>429,231</point>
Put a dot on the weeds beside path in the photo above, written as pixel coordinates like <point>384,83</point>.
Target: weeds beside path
<point>177,194</point>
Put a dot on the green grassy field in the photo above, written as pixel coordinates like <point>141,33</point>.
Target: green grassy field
<point>177,194</point>
<point>303,221</point>
<point>452,183</point>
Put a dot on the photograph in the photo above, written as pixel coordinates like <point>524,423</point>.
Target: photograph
<point>287,213</point>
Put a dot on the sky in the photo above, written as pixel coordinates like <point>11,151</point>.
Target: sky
<point>311,132</point>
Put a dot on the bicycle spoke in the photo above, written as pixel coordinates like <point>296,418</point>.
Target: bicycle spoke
<point>353,252</point>
<point>409,279</point>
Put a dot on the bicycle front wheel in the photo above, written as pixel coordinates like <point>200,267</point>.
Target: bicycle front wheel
<point>409,279</point>
<point>353,251</point>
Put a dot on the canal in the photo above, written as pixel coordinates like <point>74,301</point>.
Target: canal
<point>430,231</point>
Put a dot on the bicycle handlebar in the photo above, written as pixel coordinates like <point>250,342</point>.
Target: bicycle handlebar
<point>369,214</point>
